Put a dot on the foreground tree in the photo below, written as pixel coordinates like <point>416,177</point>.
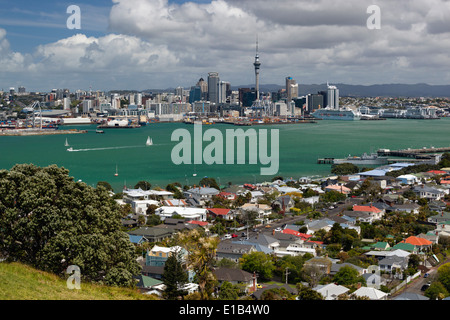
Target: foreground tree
<point>174,276</point>
<point>201,256</point>
<point>51,222</point>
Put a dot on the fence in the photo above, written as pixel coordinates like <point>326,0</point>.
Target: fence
<point>404,283</point>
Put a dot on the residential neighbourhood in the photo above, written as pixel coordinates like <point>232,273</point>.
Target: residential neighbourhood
<point>358,237</point>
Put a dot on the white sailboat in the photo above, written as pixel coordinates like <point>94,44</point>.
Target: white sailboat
<point>67,143</point>
<point>117,172</point>
<point>149,141</point>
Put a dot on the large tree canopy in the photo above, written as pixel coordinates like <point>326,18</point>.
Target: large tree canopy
<point>51,222</point>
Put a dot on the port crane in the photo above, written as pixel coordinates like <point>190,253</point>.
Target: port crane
<point>32,108</point>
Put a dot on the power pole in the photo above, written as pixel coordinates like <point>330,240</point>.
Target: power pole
<point>287,273</point>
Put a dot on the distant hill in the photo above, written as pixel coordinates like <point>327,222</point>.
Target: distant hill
<point>376,90</point>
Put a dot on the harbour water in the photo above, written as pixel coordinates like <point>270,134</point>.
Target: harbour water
<point>300,146</point>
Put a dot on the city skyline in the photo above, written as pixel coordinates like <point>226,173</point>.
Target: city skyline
<point>143,44</point>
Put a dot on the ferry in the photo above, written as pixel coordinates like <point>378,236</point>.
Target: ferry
<point>336,114</point>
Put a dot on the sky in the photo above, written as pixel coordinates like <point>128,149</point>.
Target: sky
<point>157,44</point>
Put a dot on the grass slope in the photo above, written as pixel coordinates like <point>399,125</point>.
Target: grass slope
<point>21,282</point>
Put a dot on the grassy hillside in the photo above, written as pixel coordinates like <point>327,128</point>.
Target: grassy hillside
<point>21,282</point>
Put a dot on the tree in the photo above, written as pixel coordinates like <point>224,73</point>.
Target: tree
<point>306,293</point>
<point>171,187</point>
<point>344,169</point>
<point>436,291</point>
<point>211,182</point>
<point>105,185</point>
<point>144,185</point>
<point>347,276</point>
<point>276,294</point>
<point>332,196</point>
<point>50,222</point>
<point>201,256</point>
<point>444,275</point>
<point>174,277</point>
<point>229,291</point>
<point>258,262</point>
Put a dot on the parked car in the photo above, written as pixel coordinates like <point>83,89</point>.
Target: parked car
<point>227,236</point>
<point>278,229</point>
<point>426,275</point>
<point>425,287</point>
<point>234,235</point>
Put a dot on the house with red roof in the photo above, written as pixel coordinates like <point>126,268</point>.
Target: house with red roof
<point>303,236</point>
<point>437,172</point>
<point>203,224</point>
<point>420,243</point>
<point>219,212</point>
<point>227,195</point>
<point>373,211</point>
<point>338,188</point>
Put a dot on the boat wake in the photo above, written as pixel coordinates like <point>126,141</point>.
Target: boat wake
<point>99,149</point>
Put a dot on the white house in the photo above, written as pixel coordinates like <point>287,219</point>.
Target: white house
<point>429,193</point>
<point>187,213</point>
<point>140,206</point>
<point>371,293</point>
<point>407,179</point>
<point>331,291</point>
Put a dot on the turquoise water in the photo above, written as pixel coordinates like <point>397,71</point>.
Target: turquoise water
<point>300,146</point>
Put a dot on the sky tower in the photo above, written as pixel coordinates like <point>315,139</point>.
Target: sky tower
<point>257,65</point>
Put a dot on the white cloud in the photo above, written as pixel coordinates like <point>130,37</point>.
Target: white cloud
<point>157,43</point>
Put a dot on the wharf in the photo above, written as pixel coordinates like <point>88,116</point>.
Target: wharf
<point>131,126</point>
<point>325,160</point>
<point>38,132</point>
<point>254,123</point>
<point>411,153</point>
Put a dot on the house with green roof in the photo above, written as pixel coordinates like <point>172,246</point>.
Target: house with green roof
<point>380,245</point>
<point>406,247</point>
<point>146,284</point>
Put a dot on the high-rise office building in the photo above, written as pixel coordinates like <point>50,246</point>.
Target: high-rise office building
<point>195,94</point>
<point>138,99</point>
<point>224,89</point>
<point>291,89</point>
<point>203,88</point>
<point>332,97</point>
<point>314,102</point>
<point>213,87</point>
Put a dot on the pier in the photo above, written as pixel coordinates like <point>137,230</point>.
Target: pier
<point>411,153</point>
<point>325,160</point>
<point>38,132</point>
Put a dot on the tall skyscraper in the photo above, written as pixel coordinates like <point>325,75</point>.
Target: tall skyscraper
<point>291,89</point>
<point>195,94</point>
<point>257,65</point>
<point>224,88</point>
<point>332,97</point>
<point>204,88</point>
<point>213,87</point>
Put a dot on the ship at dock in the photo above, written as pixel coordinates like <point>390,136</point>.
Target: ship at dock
<point>336,114</point>
<point>364,159</point>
